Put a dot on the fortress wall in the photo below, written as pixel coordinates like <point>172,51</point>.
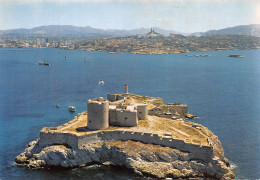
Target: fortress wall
<point>110,135</point>
<point>112,97</point>
<point>89,139</point>
<point>196,151</point>
<point>156,101</point>
<point>180,109</point>
<point>47,139</point>
<point>199,152</point>
<point>120,97</point>
<point>122,118</point>
<point>112,117</point>
<point>126,118</point>
<point>155,111</point>
<point>117,102</point>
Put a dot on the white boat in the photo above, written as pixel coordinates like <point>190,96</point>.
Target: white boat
<point>43,63</point>
<point>236,56</point>
<point>72,108</point>
<point>101,82</point>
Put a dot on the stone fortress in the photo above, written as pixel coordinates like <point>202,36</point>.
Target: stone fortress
<point>138,132</point>
<point>122,110</point>
<point>101,113</point>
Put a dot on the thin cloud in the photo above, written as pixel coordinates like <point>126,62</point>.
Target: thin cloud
<point>130,1</point>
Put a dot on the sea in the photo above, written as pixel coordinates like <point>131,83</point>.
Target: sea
<point>223,92</point>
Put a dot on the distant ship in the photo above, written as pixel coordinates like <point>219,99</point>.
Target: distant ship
<point>236,55</point>
<point>198,55</point>
<point>72,109</point>
<point>43,63</point>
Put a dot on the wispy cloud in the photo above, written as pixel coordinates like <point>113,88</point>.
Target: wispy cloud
<point>132,1</point>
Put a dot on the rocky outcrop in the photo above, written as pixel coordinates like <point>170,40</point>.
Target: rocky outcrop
<point>144,159</point>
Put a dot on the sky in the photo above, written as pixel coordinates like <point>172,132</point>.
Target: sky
<point>185,16</point>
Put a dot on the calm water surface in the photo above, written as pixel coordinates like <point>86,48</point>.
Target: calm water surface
<point>224,92</point>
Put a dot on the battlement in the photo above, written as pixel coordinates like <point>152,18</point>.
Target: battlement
<point>99,100</point>
<point>77,141</point>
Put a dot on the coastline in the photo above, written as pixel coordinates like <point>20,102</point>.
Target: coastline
<point>138,52</point>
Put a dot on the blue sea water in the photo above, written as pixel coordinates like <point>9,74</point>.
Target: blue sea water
<point>224,92</point>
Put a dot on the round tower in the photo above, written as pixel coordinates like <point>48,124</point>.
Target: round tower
<point>126,89</point>
<point>98,110</point>
<point>142,111</point>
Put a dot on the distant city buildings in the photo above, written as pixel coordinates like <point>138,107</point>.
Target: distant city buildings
<point>150,43</point>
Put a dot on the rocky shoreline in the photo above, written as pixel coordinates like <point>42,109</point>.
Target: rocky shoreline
<point>152,160</point>
<point>144,159</point>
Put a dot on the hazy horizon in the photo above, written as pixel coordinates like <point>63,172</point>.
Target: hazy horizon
<point>187,16</point>
<point>106,29</point>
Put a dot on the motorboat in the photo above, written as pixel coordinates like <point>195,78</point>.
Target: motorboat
<point>43,63</point>
<point>72,109</point>
<point>101,82</point>
<point>236,55</point>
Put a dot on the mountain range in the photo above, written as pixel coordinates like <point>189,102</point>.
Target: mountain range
<point>250,30</point>
<point>67,30</point>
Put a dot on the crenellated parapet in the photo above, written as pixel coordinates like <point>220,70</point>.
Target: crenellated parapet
<point>203,152</point>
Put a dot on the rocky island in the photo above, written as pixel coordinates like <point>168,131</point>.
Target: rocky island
<point>138,132</point>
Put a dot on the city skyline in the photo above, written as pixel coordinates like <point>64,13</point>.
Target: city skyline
<point>185,16</point>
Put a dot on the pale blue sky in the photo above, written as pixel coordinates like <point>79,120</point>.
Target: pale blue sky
<point>179,15</point>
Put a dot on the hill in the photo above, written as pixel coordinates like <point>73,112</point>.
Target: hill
<point>61,30</point>
<point>250,30</point>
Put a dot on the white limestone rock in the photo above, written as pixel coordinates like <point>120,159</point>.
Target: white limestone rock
<point>154,160</point>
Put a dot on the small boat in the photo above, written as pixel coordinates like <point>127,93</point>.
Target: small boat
<point>85,60</point>
<point>65,57</point>
<point>57,105</point>
<point>101,82</point>
<point>72,108</point>
<point>236,55</point>
<point>43,63</point>
<point>197,55</point>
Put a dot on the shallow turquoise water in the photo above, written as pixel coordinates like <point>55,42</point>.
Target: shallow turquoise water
<point>222,91</point>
